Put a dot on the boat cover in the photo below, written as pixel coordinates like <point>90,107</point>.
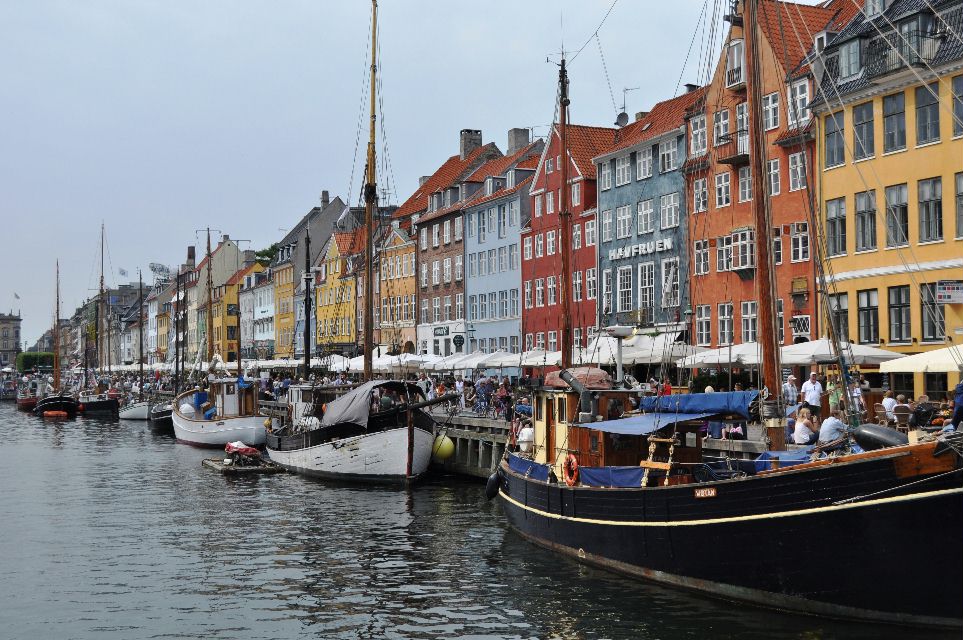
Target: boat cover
<point>645,423</point>
<point>785,458</point>
<point>736,402</point>
<point>354,406</point>
<point>528,468</point>
<point>611,476</point>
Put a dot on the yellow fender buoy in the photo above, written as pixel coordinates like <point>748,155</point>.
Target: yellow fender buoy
<point>443,448</point>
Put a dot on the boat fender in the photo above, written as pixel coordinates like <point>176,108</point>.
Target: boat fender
<point>875,436</point>
<point>491,487</point>
<point>570,470</point>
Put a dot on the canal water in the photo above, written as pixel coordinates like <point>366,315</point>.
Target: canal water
<point>111,530</point>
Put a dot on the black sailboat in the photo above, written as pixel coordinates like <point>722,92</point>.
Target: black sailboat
<point>58,403</point>
<point>101,402</point>
<point>830,535</point>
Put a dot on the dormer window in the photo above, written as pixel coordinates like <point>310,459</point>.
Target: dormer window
<point>735,69</point>
<point>489,186</point>
<point>849,64</point>
<point>819,42</point>
<point>448,198</point>
<point>510,179</point>
<point>873,7</point>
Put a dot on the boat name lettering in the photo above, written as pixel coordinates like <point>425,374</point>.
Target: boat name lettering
<point>705,492</point>
<point>641,249</point>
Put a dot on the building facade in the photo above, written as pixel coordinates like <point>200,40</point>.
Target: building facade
<point>890,151</point>
<point>399,294</point>
<point>336,294</point>
<point>9,338</point>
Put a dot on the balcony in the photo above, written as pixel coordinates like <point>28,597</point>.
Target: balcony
<point>897,52</point>
<point>736,78</point>
<point>733,148</point>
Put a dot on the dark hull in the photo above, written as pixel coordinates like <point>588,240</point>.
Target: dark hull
<point>109,408</point>
<point>160,417</point>
<point>779,540</point>
<point>67,404</point>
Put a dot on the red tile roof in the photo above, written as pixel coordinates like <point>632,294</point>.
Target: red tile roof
<point>584,143</point>
<point>665,116</point>
<point>500,193</point>
<point>500,166</point>
<point>457,206</point>
<point>789,27</point>
<point>237,277</point>
<point>350,242</point>
<point>528,163</point>
<point>443,177</point>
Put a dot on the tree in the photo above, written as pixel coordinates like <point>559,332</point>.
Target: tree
<point>265,256</point>
<point>30,360</point>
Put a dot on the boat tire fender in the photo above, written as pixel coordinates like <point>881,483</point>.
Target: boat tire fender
<point>491,487</point>
<point>570,470</point>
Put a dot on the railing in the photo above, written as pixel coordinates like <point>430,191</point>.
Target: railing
<point>898,51</point>
<point>735,76</point>
<point>733,148</point>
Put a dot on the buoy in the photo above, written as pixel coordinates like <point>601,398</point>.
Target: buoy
<point>491,487</point>
<point>526,437</point>
<point>55,414</point>
<point>443,448</point>
<point>187,410</point>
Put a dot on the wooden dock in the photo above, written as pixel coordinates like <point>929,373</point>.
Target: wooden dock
<point>217,464</point>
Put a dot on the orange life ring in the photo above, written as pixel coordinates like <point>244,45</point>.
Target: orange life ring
<point>570,470</point>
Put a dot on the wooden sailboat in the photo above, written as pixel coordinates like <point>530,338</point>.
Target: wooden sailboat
<point>138,409</point>
<point>828,536</point>
<point>57,403</point>
<point>101,402</point>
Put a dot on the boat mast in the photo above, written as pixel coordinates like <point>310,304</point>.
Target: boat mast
<point>140,321</point>
<point>56,334</point>
<point>177,331</point>
<point>765,271</point>
<point>307,303</point>
<point>370,195</point>
<point>565,216</point>
<point>210,302</point>
<point>100,302</point>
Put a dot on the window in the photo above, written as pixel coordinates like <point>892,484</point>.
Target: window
<point>749,320</point>
<point>799,241</point>
<point>436,309</point>
<point>473,265</point>
<point>550,165</point>
<point>503,304</point>
<point>513,212</point>
<point>873,7</point>
<point>720,127</point>
<point>550,243</point>
<point>897,216</point>
<point>471,225</point>
<point>646,223</point>
<point>934,315</point>
<point>460,306</point>
<point>931,209</point>
<point>669,210</point>
<point>528,294</point>
<point>513,256</point>
<point>434,235</point>
<point>539,293</point>
<point>743,249</point>
<point>492,261</point>
<point>734,66</point>
<point>538,206</point>
<point>700,195</point>
<point>866,221</point>
<point>576,193</point>
<point>550,285</point>
<point>482,225</point>
<point>701,257</point>
<point>899,314</point>
<point>839,315</point>
<point>624,283</point>
<point>526,248</point>
<point>623,170</point>
<point>607,291</point>
<point>725,323</point>
<point>623,222</point>
<point>863,139</point>
<point>797,172</point>
<point>643,163</point>
<point>576,337</point>
<point>539,243</point>
<point>849,65</point>
<point>513,344</point>
<point>424,311</point>
<point>868,316</point>
<point>423,234</point>
<point>459,268</point>
<point>552,340</point>
<point>540,340</point>
<point>723,196</point>
<point>959,205</point>
<point>703,325</point>
<point>590,236</point>
<point>529,342</point>
<point>435,272</point>
<point>447,306</point>
<point>836,227</point>
<point>447,232</point>
<point>577,286</point>
<point>772,169</point>
<point>724,253</point>
<point>797,113</point>
<point>928,113</point>
<point>576,236</point>
<point>745,184</point>
<point>668,156</point>
<point>834,143</point>
<point>894,122</point>
<point>770,111</point>
<point>646,285</point>
<point>502,220</point>
<point>697,137</point>
<point>550,202</point>
<point>591,284</point>
<point>447,270</point>
<point>957,88</point>
<point>605,176</point>
<point>670,283</point>
<point>607,226</point>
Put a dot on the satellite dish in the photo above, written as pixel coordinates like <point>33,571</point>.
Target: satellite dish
<point>622,119</point>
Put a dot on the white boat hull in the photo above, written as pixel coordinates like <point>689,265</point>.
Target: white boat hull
<point>217,433</point>
<point>374,457</point>
<point>135,411</point>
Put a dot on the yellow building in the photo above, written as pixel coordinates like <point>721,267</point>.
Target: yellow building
<point>398,288</point>
<point>224,313</point>
<point>336,294</point>
<point>284,310</point>
<point>890,154</point>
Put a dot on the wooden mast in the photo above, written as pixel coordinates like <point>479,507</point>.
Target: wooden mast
<point>56,334</point>
<point>210,302</point>
<point>765,271</point>
<point>101,315</point>
<point>307,303</point>
<point>176,308</point>
<point>140,333</point>
<point>565,216</point>
<point>370,196</point>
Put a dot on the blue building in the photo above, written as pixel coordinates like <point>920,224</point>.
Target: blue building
<point>642,204</point>
<point>493,223</point>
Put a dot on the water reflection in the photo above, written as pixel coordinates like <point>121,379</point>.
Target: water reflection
<point>115,530</point>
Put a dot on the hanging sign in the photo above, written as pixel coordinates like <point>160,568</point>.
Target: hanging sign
<point>949,292</point>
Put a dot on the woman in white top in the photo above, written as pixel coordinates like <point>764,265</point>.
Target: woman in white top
<point>889,402</point>
<point>804,432</point>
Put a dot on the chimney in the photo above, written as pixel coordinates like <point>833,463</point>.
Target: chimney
<point>518,139</point>
<point>469,140</point>
<point>249,257</point>
<point>324,199</point>
<point>191,256</point>
<point>640,114</point>
<point>689,87</point>
<point>226,238</point>
<point>422,180</point>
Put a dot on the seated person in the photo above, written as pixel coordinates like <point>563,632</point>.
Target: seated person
<point>523,407</point>
<point>889,402</point>
<point>833,428</point>
<point>804,432</point>
<point>735,431</point>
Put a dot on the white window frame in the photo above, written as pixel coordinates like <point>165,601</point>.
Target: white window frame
<point>623,170</point>
<point>770,111</point>
<point>646,216</point>
<point>669,211</point>
<point>624,289</point>
<point>623,222</point>
<point>698,136</point>
<point>797,171</point>
<point>723,189</point>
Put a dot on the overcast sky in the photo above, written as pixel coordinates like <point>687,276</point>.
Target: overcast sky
<point>162,117</point>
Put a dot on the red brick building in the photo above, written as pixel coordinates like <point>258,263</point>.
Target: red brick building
<point>541,258</point>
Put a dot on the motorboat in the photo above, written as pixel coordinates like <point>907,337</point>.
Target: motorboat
<point>135,411</point>
<point>103,405</point>
<point>224,412</point>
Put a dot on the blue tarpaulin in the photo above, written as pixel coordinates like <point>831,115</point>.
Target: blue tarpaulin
<point>736,402</point>
<point>611,476</point>
<point>786,458</point>
<point>528,468</point>
<point>643,424</point>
